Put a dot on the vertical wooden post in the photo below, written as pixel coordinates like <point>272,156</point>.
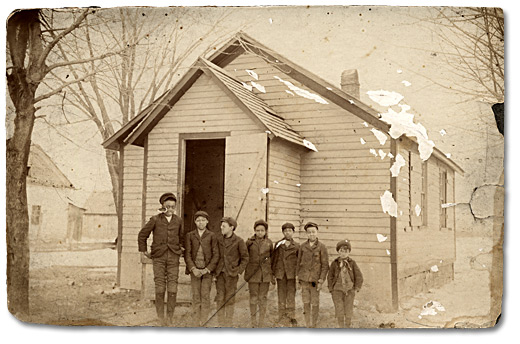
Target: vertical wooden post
<point>143,214</point>
<point>120,213</point>
<point>393,233</point>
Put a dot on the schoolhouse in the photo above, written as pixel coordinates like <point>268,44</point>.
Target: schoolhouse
<point>249,134</point>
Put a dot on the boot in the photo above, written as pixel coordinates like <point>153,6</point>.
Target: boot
<point>315,314</point>
<point>170,307</point>
<point>307,314</point>
<point>347,322</point>
<point>262,311</point>
<point>252,310</point>
<point>340,321</point>
<point>159,306</point>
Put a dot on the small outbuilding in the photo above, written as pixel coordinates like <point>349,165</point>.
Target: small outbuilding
<point>249,134</point>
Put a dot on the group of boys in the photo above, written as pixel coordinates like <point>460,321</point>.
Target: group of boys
<point>223,257</point>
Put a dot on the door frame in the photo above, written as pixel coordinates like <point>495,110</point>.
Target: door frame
<point>183,137</point>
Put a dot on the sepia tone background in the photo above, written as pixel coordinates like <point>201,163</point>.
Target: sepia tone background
<point>377,44</point>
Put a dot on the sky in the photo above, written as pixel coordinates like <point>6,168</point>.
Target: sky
<point>378,45</point>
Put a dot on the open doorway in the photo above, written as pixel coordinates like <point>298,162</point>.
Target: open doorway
<point>204,181</point>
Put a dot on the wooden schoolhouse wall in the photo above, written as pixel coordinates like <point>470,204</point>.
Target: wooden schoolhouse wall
<point>341,184</point>
<point>422,241</point>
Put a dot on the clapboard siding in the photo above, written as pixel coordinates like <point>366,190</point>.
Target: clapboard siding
<point>284,193</point>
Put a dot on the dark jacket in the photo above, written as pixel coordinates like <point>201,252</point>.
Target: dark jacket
<point>313,262</point>
<point>353,270</point>
<point>259,267</point>
<point>233,255</point>
<point>209,244</point>
<point>285,259</point>
<point>166,235</point>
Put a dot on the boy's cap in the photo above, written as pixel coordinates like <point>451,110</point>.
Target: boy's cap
<point>310,224</point>
<point>343,243</point>
<point>201,213</point>
<point>167,196</point>
<point>230,221</point>
<point>287,225</point>
<point>261,223</point>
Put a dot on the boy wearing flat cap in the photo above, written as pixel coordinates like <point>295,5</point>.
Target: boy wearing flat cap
<point>233,261</point>
<point>311,270</point>
<point>345,280</point>
<point>258,272</point>
<point>167,247</point>
<point>285,258</point>
<point>202,256</point>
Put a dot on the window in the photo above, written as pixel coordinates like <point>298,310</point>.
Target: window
<point>443,185</point>
<point>418,186</point>
<point>36,212</point>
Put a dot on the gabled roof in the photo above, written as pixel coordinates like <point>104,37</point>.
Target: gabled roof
<point>43,171</point>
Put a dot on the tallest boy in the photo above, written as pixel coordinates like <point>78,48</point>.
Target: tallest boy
<point>167,247</point>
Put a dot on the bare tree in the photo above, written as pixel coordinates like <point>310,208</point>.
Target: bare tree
<point>31,42</point>
<point>473,49</point>
<point>156,43</point>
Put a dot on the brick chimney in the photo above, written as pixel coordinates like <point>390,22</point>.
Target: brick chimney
<point>350,82</point>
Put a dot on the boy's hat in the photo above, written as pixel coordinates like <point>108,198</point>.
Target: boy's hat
<point>167,196</point>
<point>261,223</point>
<point>201,213</point>
<point>230,221</point>
<point>287,225</point>
<point>343,243</point>
<point>310,224</point>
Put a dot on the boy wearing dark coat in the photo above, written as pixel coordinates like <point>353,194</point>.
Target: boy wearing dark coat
<point>258,272</point>
<point>233,261</point>
<point>285,258</point>
<point>312,268</point>
<point>345,279</point>
<point>202,256</point>
<point>167,247</point>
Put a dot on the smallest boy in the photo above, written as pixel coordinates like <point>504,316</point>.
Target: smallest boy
<point>345,280</point>
<point>285,258</point>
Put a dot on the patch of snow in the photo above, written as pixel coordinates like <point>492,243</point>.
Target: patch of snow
<point>301,92</point>
<point>381,237</point>
<point>388,203</point>
<point>396,167</point>
<point>252,73</point>
<point>258,86</point>
<point>289,92</point>
<point>379,135</point>
<point>365,124</point>
<point>247,86</point>
<point>390,155</point>
<point>373,151</point>
<point>362,141</point>
<point>382,154</point>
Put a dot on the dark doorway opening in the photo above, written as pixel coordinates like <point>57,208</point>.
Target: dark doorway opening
<point>204,181</point>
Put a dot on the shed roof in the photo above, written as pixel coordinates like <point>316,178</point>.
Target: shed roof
<point>43,170</point>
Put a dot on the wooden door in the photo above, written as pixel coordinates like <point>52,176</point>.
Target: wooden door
<point>245,197</point>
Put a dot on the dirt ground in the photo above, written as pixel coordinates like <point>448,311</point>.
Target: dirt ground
<point>78,288</point>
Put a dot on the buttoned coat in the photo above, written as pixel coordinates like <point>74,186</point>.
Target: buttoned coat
<point>259,266</point>
<point>233,255</point>
<point>353,270</point>
<point>166,235</point>
<point>209,243</point>
<point>285,259</point>
<point>313,262</point>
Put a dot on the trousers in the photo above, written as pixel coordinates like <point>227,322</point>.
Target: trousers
<point>286,297</point>
<point>166,272</point>
<point>200,290</point>
<point>226,289</point>
<point>343,305</point>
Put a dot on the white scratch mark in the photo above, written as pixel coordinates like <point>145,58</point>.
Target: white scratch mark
<point>402,124</point>
<point>447,205</point>
<point>388,203</point>
<point>396,167</point>
<point>301,92</point>
<point>252,74</point>
<point>400,212</point>
<point>362,141</point>
<point>379,135</point>
<point>388,252</point>
<point>309,145</point>
<point>385,98</point>
<point>435,268</point>
<point>249,87</point>
<point>276,182</point>
<point>281,242</point>
<point>373,151</point>
<point>265,191</point>
<point>399,71</point>
<point>390,155</point>
<point>268,132</point>
<point>328,88</point>
<point>289,92</point>
<point>442,132</point>
<point>406,83</point>
<point>351,101</point>
<point>381,237</point>
<point>270,20</point>
<point>298,185</point>
<point>417,209</point>
<point>258,86</point>
<point>382,154</point>
<point>365,124</point>
<point>448,155</point>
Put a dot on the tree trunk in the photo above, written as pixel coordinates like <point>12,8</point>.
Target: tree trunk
<point>18,147</point>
